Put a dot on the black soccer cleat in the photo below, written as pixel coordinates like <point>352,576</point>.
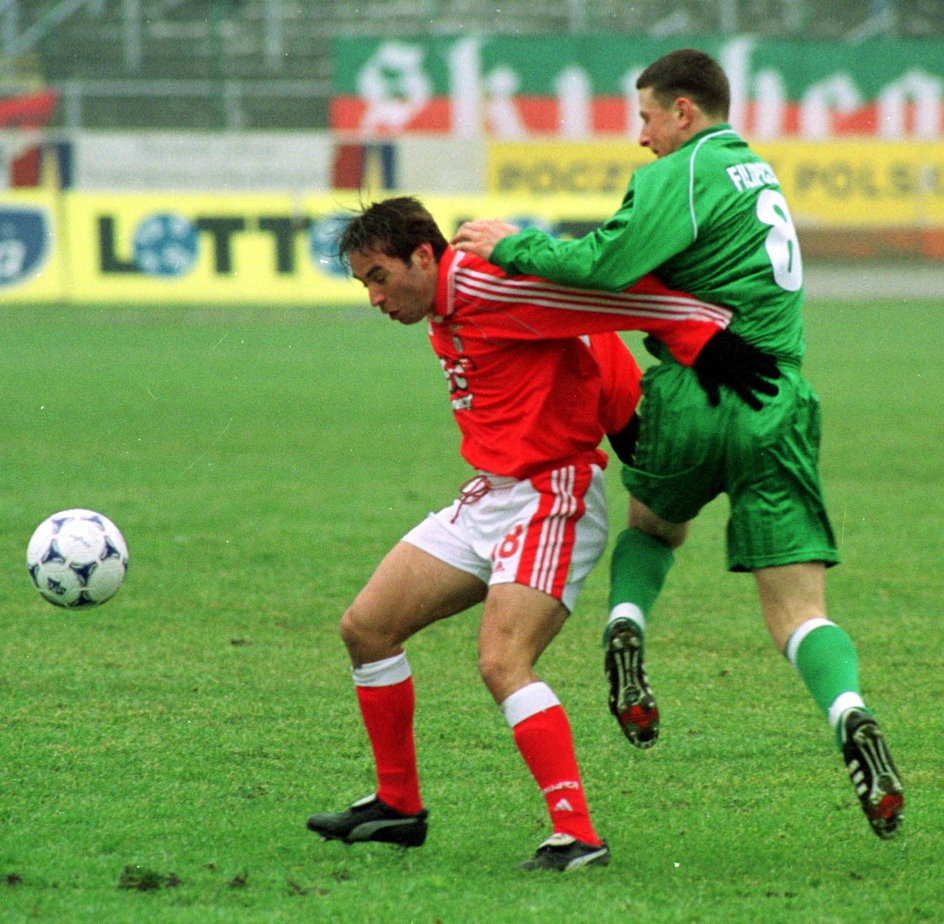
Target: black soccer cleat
<point>873,774</point>
<point>631,699</point>
<point>369,819</point>
<point>563,853</point>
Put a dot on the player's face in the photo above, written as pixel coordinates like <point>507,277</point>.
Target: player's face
<point>661,131</point>
<point>402,291</point>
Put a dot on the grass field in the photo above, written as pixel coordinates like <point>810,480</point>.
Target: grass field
<point>159,755</point>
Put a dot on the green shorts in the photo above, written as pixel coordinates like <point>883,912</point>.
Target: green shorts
<point>765,461</point>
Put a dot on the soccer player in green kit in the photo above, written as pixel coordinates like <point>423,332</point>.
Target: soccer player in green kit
<point>709,217</point>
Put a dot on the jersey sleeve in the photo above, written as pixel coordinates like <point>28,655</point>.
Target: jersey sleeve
<point>645,232</point>
<point>620,380</point>
<point>528,308</point>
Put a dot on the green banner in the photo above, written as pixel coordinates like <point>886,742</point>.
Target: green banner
<point>582,85</point>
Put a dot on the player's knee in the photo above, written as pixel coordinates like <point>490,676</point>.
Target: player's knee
<point>499,674</point>
<point>367,637</point>
<point>674,537</point>
<point>358,634</point>
<point>669,534</point>
<point>349,629</point>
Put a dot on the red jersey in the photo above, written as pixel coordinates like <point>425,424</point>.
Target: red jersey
<point>527,390</point>
<point>620,380</point>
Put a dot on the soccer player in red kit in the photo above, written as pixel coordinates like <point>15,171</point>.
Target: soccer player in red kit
<point>533,390</point>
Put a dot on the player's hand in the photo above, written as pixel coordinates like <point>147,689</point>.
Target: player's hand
<point>726,359</point>
<point>481,236</point>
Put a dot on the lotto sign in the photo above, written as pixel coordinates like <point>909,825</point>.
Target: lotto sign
<point>264,249</point>
<point>252,249</point>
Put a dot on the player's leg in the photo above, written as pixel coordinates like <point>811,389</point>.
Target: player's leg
<point>675,473</point>
<point>793,601</point>
<point>410,589</point>
<point>518,623</point>
<point>779,530</point>
<point>544,535</point>
<point>641,560</point>
<point>792,598</point>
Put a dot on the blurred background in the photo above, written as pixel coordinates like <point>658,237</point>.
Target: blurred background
<point>180,149</point>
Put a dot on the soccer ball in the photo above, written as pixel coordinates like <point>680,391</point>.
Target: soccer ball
<point>77,558</point>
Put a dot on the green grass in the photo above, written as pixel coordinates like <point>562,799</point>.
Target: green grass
<point>159,755</point>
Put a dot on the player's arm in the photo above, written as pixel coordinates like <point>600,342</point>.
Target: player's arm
<point>694,331</point>
<point>606,258</point>
<point>529,308</point>
<point>719,356</point>
<point>646,231</point>
<point>598,260</point>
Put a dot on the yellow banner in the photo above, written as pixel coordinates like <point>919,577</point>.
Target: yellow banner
<point>252,249</point>
<point>274,249</point>
<point>245,248</point>
<point>861,184</point>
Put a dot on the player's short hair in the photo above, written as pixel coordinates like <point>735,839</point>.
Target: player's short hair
<point>691,73</point>
<point>395,227</point>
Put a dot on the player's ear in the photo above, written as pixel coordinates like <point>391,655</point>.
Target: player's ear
<point>423,255</point>
<point>685,111</point>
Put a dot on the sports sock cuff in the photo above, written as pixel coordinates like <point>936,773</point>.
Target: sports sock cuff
<point>841,704</point>
<point>800,633</point>
<point>383,673</point>
<point>628,611</point>
<point>528,701</point>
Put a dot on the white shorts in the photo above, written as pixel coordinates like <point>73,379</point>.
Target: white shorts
<point>546,532</point>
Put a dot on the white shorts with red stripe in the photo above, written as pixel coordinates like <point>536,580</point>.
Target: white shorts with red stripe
<point>546,532</point>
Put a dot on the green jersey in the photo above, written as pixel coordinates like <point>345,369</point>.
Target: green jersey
<point>709,219</point>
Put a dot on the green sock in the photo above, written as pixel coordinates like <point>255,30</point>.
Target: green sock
<point>638,570</point>
<point>826,659</point>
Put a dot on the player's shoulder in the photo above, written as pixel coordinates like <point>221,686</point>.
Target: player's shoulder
<point>718,142</point>
<point>718,152</point>
<point>470,263</point>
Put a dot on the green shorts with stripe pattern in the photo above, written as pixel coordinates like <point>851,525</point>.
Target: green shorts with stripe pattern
<point>765,461</point>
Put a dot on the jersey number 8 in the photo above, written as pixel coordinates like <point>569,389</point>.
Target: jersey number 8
<point>782,245</point>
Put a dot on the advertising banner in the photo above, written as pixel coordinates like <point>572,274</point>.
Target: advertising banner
<point>250,249</point>
<point>240,249</point>
<point>203,161</point>
<point>578,86</point>
<point>260,249</point>
<point>89,248</point>
<point>863,184</point>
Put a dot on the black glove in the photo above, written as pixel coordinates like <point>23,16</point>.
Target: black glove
<point>624,442</point>
<point>726,359</point>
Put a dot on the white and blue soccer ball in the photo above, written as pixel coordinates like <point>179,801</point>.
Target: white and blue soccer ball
<point>77,558</point>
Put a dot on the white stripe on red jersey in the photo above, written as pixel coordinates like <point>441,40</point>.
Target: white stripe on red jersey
<point>527,392</point>
<point>643,303</point>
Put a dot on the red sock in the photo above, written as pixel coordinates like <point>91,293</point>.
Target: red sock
<point>546,744</point>
<point>388,717</point>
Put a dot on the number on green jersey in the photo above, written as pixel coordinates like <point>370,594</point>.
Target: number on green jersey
<point>783,247</point>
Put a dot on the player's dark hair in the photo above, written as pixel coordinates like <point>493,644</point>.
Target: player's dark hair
<point>690,73</point>
<point>395,227</point>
